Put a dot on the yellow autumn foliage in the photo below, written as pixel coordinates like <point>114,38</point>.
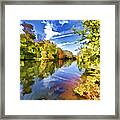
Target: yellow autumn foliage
<point>89,58</point>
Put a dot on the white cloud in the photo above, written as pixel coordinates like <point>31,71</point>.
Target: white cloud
<point>70,46</point>
<point>48,31</point>
<point>63,21</point>
<point>65,44</point>
<point>21,29</point>
<point>61,36</point>
<point>43,21</point>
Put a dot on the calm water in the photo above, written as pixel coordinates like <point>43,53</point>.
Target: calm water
<point>49,80</point>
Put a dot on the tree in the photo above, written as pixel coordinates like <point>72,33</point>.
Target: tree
<point>89,58</point>
<point>30,48</point>
<point>27,44</point>
<point>68,54</point>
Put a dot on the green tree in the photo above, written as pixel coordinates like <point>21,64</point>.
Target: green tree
<point>27,44</point>
<point>89,58</point>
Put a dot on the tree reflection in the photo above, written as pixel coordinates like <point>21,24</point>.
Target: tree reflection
<point>30,70</point>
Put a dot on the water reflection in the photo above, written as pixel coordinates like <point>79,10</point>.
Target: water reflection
<point>53,80</point>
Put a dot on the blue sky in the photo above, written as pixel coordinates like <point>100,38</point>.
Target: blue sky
<point>58,31</point>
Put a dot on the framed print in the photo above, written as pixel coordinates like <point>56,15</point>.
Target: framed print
<point>60,59</point>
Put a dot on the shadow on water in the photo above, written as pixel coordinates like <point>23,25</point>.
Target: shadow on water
<point>49,80</point>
